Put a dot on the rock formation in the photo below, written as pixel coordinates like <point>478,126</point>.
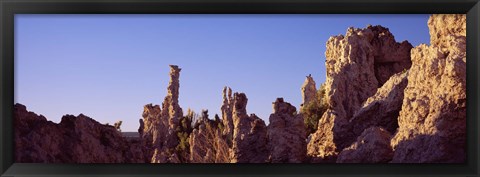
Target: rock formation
<point>249,135</point>
<point>309,90</point>
<point>432,122</point>
<point>76,139</point>
<point>382,109</point>
<point>227,110</point>
<point>372,146</point>
<point>286,134</point>
<point>373,56</point>
<point>160,124</point>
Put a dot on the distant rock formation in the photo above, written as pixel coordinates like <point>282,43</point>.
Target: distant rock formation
<point>372,146</point>
<point>309,90</point>
<point>76,139</point>
<point>160,124</point>
<point>227,111</point>
<point>286,134</point>
<point>432,121</point>
<point>373,56</point>
<point>249,135</point>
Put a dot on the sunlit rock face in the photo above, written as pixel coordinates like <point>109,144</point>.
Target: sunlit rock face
<point>372,146</point>
<point>432,122</point>
<point>227,111</point>
<point>76,139</point>
<point>286,134</point>
<point>249,135</point>
<point>160,124</point>
<point>357,64</point>
<point>381,109</point>
<point>309,90</point>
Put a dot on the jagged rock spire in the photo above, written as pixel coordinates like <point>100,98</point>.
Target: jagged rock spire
<point>309,90</point>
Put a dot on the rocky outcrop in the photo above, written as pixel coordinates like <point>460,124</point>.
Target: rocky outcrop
<point>76,139</point>
<point>382,109</point>
<point>160,125</point>
<point>286,134</point>
<point>373,56</point>
<point>227,110</point>
<point>249,135</point>
<point>309,90</point>
<point>432,122</point>
<point>372,146</point>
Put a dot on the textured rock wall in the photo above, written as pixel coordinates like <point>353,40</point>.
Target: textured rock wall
<point>357,65</point>
<point>227,110</point>
<point>382,109</point>
<point>432,122</point>
<point>286,134</point>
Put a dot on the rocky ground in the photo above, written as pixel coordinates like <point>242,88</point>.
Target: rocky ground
<point>386,102</point>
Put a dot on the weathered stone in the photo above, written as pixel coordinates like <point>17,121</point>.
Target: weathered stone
<point>286,134</point>
<point>76,139</point>
<point>160,125</point>
<point>249,135</point>
<point>432,122</point>
<point>309,90</point>
<point>372,146</point>
<point>357,64</point>
<point>383,108</point>
<point>227,110</point>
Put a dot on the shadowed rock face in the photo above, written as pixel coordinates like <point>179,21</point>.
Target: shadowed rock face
<point>357,65</point>
<point>249,135</point>
<point>433,117</point>
<point>286,134</point>
<point>372,146</point>
<point>76,139</point>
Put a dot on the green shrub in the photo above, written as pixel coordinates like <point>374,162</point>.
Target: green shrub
<point>313,111</point>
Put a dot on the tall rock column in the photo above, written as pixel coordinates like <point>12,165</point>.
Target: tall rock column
<point>227,109</point>
<point>357,65</point>
<point>309,90</point>
<point>432,122</point>
<point>159,133</point>
<point>249,135</point>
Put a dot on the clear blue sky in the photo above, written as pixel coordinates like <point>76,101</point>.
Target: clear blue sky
<point>109,66</point>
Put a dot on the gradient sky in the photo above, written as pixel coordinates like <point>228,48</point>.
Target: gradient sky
<point>108,66</point>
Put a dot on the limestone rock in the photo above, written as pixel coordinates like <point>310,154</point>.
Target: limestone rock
<point>432,122</point>
<point>249,135</point>
<point>372,146</point>
<point>357,64</point>
<point>76,139</point>
<point>309,90</point>
<point>286,134</point>
<point>382,109</point>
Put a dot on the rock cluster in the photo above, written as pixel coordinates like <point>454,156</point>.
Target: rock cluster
<point>373,56</point>
<point>386,103</point>
<point>286,134</point>
<point>76,139</point>
<point>432,121</point>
